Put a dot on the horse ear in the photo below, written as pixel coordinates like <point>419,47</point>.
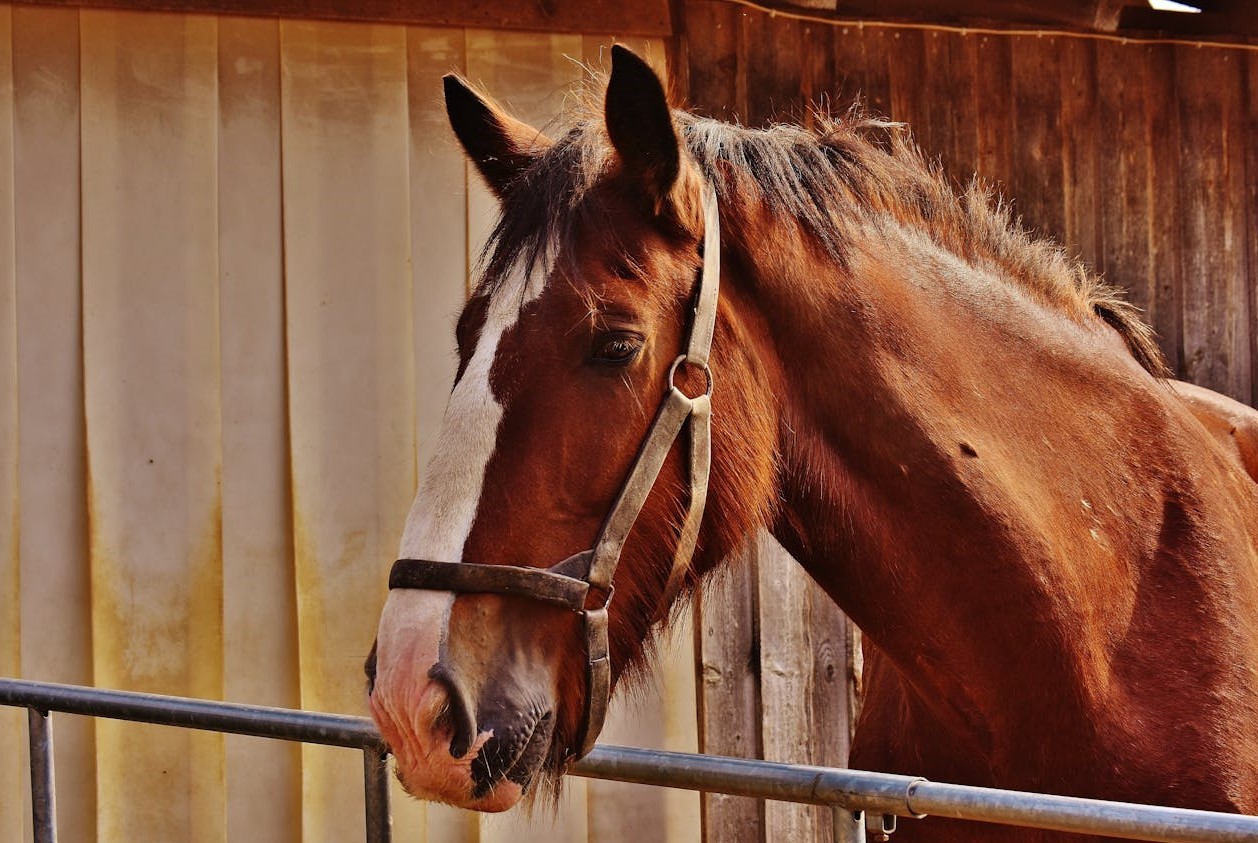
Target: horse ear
<point>500,146</point>
<point>640,125</point>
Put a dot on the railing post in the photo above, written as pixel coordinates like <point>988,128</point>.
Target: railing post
<point>376,792</point>
<point>848,825</point>
<point>43,793</point>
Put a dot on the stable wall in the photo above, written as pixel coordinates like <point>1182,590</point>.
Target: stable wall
<point>231,253</point>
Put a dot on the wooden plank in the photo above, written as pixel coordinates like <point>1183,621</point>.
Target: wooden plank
<point>728,647</point>
<point>350,359</point>
<point>934,101</point>
<point>788,728</point>
<point>962,75</point>
<point>57,647</point>
<point>816,76</point>
<point>1216,319</point>
<point>1123,173</point>
<point>833,709</point>
<point>993,114</point>
<point>1037,182</point>
<point>806,715</point>
<point>682,809</point>
<point>151,376</point>
<point>905,57</point>
<point>259,594</point>
<point>1251,204</point>
<point>12,731</point>
<point>651,17</point>
<point>862,68</point>
<point>1080,130</point>
<point>1164,195</point>
<point>711,52</point>
<point>771,68</point>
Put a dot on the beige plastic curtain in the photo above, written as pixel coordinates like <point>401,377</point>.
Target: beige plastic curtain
<point>230,255</point>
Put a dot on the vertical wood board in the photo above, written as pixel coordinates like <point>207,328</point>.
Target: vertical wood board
<point>1036,187</point>
<point>259,606</point>
<point>1165,249</point>
<point>56,646</point>
<point>350,371</point>
<point>1213,233</point>
<point>151,352</point>
<point>11,727</point>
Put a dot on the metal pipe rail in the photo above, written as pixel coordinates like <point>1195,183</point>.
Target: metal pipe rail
<point>41,698</point>
<point>880,795</point>
<point>910,796</point>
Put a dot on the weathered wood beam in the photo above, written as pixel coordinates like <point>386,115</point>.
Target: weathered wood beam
<point>642,17</point>
<point>1228,21</point>
<point>1221,20</point>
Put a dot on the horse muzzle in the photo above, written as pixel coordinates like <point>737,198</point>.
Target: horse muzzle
<point>474,733</point>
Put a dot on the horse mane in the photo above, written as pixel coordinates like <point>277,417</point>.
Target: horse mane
<point>833,178</point>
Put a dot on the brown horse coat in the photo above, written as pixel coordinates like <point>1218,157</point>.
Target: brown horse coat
<point>963,437</point>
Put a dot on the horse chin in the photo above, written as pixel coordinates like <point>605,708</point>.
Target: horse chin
<point>438,777</point>
<point>502,797</point>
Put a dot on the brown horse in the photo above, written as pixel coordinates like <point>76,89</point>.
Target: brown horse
<point>964,438</point>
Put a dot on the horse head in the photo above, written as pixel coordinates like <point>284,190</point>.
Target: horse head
<point>572,336</point>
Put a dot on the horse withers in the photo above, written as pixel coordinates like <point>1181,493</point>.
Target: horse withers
<point>966,439</point>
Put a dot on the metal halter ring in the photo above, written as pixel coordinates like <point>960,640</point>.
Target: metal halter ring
<point>682,358</point>
<point>611,592</point>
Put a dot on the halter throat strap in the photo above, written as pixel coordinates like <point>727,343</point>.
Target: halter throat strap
<point>567,584</point>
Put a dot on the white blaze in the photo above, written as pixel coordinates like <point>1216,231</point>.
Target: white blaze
<point>441,516</point>
<point>445,507</point>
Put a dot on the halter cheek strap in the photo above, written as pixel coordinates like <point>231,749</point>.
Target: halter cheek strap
<point>567,584</point>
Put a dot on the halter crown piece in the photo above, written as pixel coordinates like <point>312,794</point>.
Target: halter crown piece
<point>567,583</point>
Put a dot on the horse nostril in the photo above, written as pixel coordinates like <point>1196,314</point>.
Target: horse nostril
<point>459,712</point>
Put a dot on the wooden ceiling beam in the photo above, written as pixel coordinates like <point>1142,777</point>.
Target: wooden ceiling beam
<point>1221,20</point>
<point>639,17</point>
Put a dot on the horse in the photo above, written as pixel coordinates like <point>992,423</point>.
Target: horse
<point>968,440</point>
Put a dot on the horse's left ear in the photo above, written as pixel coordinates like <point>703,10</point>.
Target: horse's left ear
<point>500,146</point>
<point>640,125</point>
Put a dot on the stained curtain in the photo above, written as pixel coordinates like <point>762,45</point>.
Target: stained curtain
<point>231,251</point>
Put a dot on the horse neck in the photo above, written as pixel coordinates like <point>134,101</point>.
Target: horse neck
<point>939,476</point>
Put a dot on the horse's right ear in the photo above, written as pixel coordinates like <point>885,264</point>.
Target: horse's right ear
<point>640,125</point>
<point>500,146</point>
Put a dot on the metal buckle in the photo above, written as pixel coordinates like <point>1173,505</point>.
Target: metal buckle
<point>682,358</point>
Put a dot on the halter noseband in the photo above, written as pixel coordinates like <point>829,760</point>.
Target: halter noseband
<point>567,583</point>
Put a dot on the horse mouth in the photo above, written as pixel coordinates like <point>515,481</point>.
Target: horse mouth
<point>516,757</point>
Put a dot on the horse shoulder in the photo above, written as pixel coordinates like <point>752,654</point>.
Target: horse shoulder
<point>1232,424</point>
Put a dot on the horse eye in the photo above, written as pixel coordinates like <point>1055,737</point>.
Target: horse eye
<point>617,349</point>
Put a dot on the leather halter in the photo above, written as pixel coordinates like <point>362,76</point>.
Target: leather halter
<point>567,583</point>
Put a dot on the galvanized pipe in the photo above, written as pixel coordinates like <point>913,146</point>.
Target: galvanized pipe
<point>1090,816</point>
<point>43,789</point>
<point>234,718</point>
<point>881,793</point>
<point>855,790</point>
<point>376,794</point>
<point>845,790</point>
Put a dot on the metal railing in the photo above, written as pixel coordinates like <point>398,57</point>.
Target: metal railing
<point>880,797</point>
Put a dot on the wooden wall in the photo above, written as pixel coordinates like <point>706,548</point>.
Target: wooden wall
<point>1141,158</point>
